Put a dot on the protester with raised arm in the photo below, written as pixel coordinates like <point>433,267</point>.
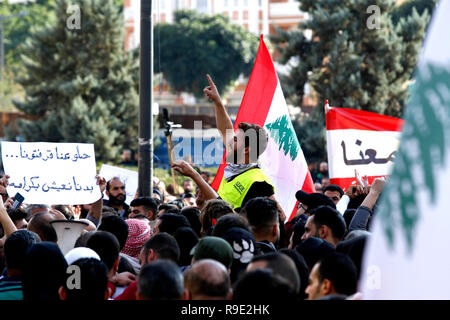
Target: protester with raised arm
<point>243,177</point>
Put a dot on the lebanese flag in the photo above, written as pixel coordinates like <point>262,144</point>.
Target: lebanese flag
<point>283,161</point>
<point>360,140</point>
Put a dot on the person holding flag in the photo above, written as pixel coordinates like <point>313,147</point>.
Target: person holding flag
<point>243,178</point>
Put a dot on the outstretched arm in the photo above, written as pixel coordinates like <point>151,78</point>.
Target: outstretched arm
<point>186,170</point>
<point>96,208</point>
<point>223,120</point>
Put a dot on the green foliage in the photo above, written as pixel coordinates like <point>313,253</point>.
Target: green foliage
<point>348,63</point>
<point>79,83</point>
<point>197,44</point>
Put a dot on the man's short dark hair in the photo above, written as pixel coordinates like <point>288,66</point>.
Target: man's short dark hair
<point>161,280</point>
<point>261,213</point>
<point>108,183</point>
<point>261,137</point>
<point>340,270</point>
<point>17,214</point>
<point>327,216</point>
<point>170,222</point>
<point>282,265</point>
<point>213,210</point>
<point>262,285</point>
<point>186,239</point>
<point>117,226</point>
<point>106,245</point>
<point>83,238</point>
<point>165,245</point>
<point>302,269</point>
<point>93,282</point>
<point>206,173</point>
<point>333,187</point>
<point>170,208</point>
<point>149,204</point>
<point>228,221</point>
<point>201,280</point>
<point>16,246</point>
<point>43,227</point>
<point>193,216</point>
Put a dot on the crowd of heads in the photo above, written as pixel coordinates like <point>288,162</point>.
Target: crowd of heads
<point>166,247</point>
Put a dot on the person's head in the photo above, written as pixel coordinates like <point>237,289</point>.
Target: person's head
<point>92,284</point>
<point>160,246</point>
<point>18,216</point>
<point>334,192</point>
<point>186,239</point>
<point>32,209</point>
<point>44,272</point>
<point>106,245</point>
<point>64,209</point>
<point>139,232</point>
<point>333,274</point>
<point>160,280</point>
<point>348,216</point>
<point>15,248</point>
<point>117,226</point>
<point>193,216</point>
<point>244,248</point>
<point>188,186</point>
<point>325,223</point>
<point>280,264</point>
<point>354,249</point>
<point>302,269</point>
<point>323,167</point>
<point>213,248</point>
<point>170,222</point>
<point>207,280</point>
<point>82,239</point>
<point>206,175</point>
<point>213,210</point>
<point>247,144</point>
<point>263,285</point>
<point>262,216</point>
<point>309,201</point>
<point>40,224</point>
<point>297,232</point>
<point>325,182</point>
<point>167,208</point>
<point>144,205</point>
<point>313,249</point>
<point>115,190</point>
<point>228,221</point>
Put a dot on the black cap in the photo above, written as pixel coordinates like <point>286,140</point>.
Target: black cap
<point>314,200</point>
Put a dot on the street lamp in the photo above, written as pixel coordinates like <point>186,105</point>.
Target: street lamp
<point>2,40</point>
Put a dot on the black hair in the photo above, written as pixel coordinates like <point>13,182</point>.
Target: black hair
<point>302,270</point>
<point>193,216</point>
<point>108,183</point>
<point>106,246</point>
<point>83,238</point>
<point>262,285</point>
<point>148,203</point>
<point>333,187</point>
<point>228,221</point>
<point>170,222</point>
<point>170,208</point>
<point>117,226</point>
<point>261,212</point>
<point>313,249</point>
<point>354,249</point>
<point>340,270</point>
<point>165,245</point>
<point>16,246</point>
<point>186,239</point>
<point>282,265</point>
<point>161,280</point>
<point>17,214</point>
<point>348,216</point>
<point>327,216</point>
<point>42,227</point>
<point>93,281</point>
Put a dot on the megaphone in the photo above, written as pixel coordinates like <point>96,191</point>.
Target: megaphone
<point>68,232</point>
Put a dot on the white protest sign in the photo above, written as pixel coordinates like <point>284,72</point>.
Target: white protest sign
<point>51,173</point>
<point>128,177</point>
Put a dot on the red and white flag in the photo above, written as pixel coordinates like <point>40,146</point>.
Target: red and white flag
<point>360,140</point>
<point>283,161</point>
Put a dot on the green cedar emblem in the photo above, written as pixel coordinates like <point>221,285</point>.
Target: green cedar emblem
<point>421,156</point>
<point>282,132</point>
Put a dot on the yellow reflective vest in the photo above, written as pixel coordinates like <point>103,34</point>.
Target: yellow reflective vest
<point>235,190</point>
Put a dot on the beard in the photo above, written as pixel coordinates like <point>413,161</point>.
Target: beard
<point>116,201</point>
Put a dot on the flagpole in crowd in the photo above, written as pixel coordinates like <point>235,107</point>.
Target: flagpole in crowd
<point>145,163</point>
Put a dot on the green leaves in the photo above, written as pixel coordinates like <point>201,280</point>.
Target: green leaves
<point>199,44</point>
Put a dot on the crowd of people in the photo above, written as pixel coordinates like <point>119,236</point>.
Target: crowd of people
<point>194,244</point>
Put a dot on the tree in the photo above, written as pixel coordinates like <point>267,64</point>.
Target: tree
<point>79,82</point>
<point>197,44</point>
<point>351,59</point>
